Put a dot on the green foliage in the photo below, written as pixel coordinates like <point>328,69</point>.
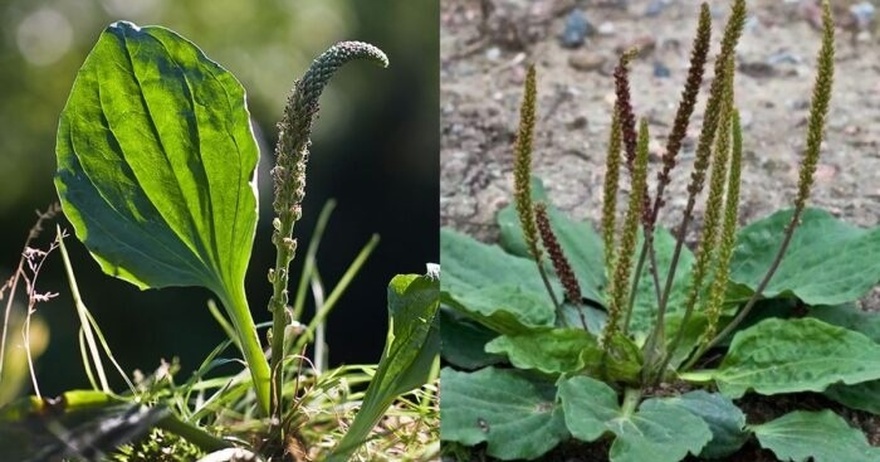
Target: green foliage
<point>828,261</point>
<point>516,415</point>
<point>790,355</point>
<point>615,379</point>
<point>155,167</point>
<point>821,436</point>
<point>659,429</point>
<point>411,349</point>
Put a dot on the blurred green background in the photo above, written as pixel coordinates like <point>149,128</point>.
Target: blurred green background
<point>375,149</point>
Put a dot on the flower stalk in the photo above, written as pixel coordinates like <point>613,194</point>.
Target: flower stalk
<point>522,178</point>
<point>620,282</point>
<point>560,262</point>
<point>289,178</point>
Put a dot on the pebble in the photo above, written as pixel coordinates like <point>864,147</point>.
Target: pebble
<point>784,57</point>
<point>757,69</point>
<point>493,53</point>
<point>863,13</point>
<point>577,28</point>
<point>586,61</point>
<point>661,70</point>
<point>655,7</point>
<point>606,28</point>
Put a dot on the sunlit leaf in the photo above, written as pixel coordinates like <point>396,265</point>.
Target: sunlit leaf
<point>156,162</point>
<point>412,346</point>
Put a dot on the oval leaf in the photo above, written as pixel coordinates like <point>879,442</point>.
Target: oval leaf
<point>793,355</point>
<point>827,262</point>
<point>819,436</point>
<point>501,291</point>
<point>155,162</point>
<point>554,351</point>
<point>516,416</point>
<point>726,421</point>
<point>660,430</point>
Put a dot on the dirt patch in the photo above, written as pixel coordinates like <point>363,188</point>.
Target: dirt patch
<point>486,45</point>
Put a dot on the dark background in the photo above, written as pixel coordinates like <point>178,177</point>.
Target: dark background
<point>375,149</point>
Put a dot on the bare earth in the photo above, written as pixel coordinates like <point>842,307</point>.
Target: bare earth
<point>486,45</point>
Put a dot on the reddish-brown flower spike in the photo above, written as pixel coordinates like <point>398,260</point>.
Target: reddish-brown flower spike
<point>624,107</point>
<point>560,262</point>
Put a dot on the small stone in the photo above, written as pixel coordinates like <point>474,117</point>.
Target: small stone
<point>661,70</point>
<point>655,150</point>
<point>863,14</point>
<point>577,28</point>
<point>757,69</point>
<point>586,61</point>
<point>826,172</point>
<point>655,7</point>
<point>578,123</point>
<point>606,28</point>
<point>783,57</point>
<point>493,53</point>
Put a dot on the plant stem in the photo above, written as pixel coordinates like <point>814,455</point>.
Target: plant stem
<point>289,178</point>
<point>631,397</point>
<point>204,440</point>
<point>789,232</point>
<point>285,247</point>
<point>237,307</point>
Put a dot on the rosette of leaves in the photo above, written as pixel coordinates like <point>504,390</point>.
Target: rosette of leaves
<point>562,334</point>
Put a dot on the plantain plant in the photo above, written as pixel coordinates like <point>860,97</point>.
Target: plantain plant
<point>626,337</point>
<point>156,173</point>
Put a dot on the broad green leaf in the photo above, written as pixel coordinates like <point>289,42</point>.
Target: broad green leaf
<point>517,417</point>
<point>823,436</point>
<point>554,351</point>
<point>463,342</point>
<point>589,405</point>
<point>827,263</point>
<point>659,431</point>
<point>793,355</point>
<point>726,421</point>
<point>622,363</point>
<point>863,396</point>
<point>580,243</point>
<point>850,316</point>
<point>576,315</point>
<point>156,162</point>
<point>501,291</point>
<point>866,395</point>
<point>411,347</point>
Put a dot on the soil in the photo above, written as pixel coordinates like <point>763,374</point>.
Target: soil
<point>486,45</point>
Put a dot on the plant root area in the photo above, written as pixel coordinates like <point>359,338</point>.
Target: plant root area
<point>486,45</point>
